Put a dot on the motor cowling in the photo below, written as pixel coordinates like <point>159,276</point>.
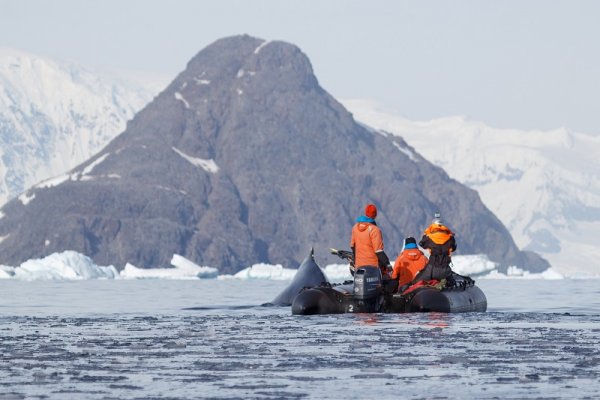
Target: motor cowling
<point>367,282</point>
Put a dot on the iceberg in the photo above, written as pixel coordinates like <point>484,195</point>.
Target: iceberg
<point>514,272</point>
<point>68,265</point>
<point>476,264</point>
<point>338,272</point>
<point>264,271</point>
<point>6,272</point>
<point>183,269</point>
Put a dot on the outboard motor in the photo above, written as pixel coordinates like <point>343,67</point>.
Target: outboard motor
<point>367,283</point>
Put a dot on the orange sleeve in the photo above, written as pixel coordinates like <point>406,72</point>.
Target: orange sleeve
<point>396,272</point>
<point>377,239</point>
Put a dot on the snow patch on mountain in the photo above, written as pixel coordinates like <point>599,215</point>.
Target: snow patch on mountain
<point>54,116</point>
<point>207,165</point>
<point>543,185</point>
<point>406,151</point>
<point>180,97</point>
<point>260,47</point>
<point>88,170</point>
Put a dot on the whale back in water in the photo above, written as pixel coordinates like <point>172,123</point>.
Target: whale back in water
<point>309,274</point>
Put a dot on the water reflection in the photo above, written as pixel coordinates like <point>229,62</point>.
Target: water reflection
<point>426,320</point>
<point>367,318</point>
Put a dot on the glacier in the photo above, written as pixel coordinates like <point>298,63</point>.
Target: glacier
<point>55,115</point>
<point>543,185</point>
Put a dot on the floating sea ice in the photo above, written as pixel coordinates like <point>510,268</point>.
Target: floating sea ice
<point>266,271</point>
<point>517,273</point>
<point>472,264</point>
<point>68,265</point>
<point>338,272</point>
<point>6,272</point>
<point>184,269</point>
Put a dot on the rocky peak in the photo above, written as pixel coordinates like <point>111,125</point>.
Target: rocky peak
<point>244,158</point>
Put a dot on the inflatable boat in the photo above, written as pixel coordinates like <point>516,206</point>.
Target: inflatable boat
<point>310,292</point>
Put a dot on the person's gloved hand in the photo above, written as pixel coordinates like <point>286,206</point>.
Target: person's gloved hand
<point>388,270</point>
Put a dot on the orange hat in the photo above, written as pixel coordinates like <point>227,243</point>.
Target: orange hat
<point>371,211</point>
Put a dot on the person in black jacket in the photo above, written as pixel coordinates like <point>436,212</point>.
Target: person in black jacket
<point>440,242</point>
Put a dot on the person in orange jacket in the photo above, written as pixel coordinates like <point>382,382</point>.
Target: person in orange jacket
<point>409,262</point>
<point>440,242</point>
<point>366,242</point>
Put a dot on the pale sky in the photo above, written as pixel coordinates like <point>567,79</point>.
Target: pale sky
<point>510,63</point>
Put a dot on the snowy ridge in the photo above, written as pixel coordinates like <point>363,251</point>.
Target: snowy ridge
<point>543,185</point>
<point>54,116</point>
<point>70,265</point>
<point>84,175</point>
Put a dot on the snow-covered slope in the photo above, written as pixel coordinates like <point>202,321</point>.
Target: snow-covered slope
<point>543,185</point>
<point>54,116</point>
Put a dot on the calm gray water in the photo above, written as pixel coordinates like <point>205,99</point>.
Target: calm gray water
<point>135,339</point>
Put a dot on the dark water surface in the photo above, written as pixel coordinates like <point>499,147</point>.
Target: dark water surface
<point>135,339</point>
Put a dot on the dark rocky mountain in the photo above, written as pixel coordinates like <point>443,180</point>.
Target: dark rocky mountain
<point>244,158</point>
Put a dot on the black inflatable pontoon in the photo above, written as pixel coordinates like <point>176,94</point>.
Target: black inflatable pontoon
<point>364,294</point>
